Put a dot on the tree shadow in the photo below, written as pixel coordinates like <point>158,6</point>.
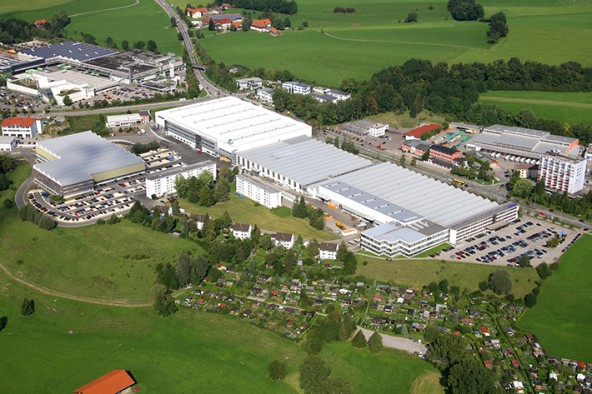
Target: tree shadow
<point>3,322</point>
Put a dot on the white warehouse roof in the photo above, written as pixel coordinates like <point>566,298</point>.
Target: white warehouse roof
<point>235,125</point>
<point>436,201</point>
<point>81,155</point>
<point>305,160</point>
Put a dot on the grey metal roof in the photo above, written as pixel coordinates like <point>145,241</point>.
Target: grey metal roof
<point>178,170</point>
<point>305,160</point>
<point>72,50</point>
<point>391,232</point>
<point>5,139</point>
<point>260,184</point>
<point>436,201</point>
<point>324,97</point>
<point>82,155</point>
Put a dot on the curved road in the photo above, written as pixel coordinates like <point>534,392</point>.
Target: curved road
<point>89,300</point>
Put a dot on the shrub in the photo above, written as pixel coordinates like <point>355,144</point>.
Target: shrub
<point>278,370</point>
<point>530,300</point>
<point>359,340</point>
<point>28,307</point>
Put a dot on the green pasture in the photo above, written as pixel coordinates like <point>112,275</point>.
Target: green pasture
<point>561,319</point>
<point>119,19</point>
<point>418,273</point>
<point>359,44</point>
<point>66,344</point>
<point>562,106</point>
<point>243,210</point>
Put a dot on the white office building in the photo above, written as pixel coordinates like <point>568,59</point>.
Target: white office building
<point>228,126</point>
<point>21,127</point>
<point>249,83</point>
<point>7,144</point>
<point>296,87</point>
<point>258,191</point>
<point>265,95</point>
<point>562,173</point>
<point>125,120</point>
<point>161,183</point>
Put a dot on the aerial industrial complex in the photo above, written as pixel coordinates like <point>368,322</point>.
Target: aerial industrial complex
<point>227,126</point>
<point>72,165</point>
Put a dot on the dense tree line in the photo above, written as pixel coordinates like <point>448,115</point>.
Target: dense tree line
<point>217,72</point>
<point>498,28</point>
<point>450,90</point>
<point>31,214</point>
<point>139,148</point>
<point>462,372</point>
<point>203,191</point>
<point>316,217</point>
<point>332,327</point>
<point>7,164</point>
<point>13,31</point>
<point>154,219</point>
<point>537,193</point>
<point>465,10</point>
<point>281,6</point>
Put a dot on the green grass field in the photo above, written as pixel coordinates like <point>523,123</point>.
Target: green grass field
<point>243,210</point>
<point>119,19</point>
<point>418,273</point>
<point>561,319</point>
<point>564,107</point>
<point>66,344</point>
<point>359,44</point>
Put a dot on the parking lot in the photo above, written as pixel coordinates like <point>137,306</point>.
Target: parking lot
<point>116,197</point>
<point>507,246</point>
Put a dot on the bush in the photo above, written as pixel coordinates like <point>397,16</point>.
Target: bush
<point>28,307</point>
<point>530,300</point>
<point>278,370</point>
<point>543,270</point>
<point>484,285</point>
<point>7,203</point>
<point>500,282</point>
<point>359,340</point>
<point>375,343</point>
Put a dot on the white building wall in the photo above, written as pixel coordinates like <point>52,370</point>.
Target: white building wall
<point>258,194</point>
<point>327,254</point>
<point>562,174</point>
<point>398,247</point>
<point>166,184</point>
<point>21,131</point>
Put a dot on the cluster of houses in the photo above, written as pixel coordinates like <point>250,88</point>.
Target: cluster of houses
<point>265,94</point>
<point>201,17</point>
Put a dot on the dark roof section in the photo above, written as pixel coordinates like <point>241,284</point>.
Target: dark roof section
<point>331,247</point>
<point>242,227</point>
<point>71,50</point>
<point>444,149</point>
<point>283,237</point>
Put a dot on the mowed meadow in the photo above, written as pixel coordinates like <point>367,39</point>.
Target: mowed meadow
<point>131,20</point>
<point>336,45</point>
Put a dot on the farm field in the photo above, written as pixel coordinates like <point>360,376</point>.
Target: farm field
<point>163,354</point>
<point>336,46</point>
<point>418,273</point>
<point>131,20</point>
<point>243,210</point>
<point>565,107</point>
<point>561,319</point>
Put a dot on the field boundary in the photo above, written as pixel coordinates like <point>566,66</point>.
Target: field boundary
<point>136,2</point>
<point>535,101</point>
<point>50,292</point>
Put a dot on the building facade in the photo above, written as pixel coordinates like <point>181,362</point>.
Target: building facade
<point>444,156</point>
<point>249,83</point>
<point>161,183</point>
<point>258,191</point>
<point>328,251</point>
<point>265,95</point>
<point>21,127</point>
<point>241,230</point>
<point>296,87</point>
<point>7,144</point>
<point>562,173</point>
<point>283,239</point>
<point>126,120</point>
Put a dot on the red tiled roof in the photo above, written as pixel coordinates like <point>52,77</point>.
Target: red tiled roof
<point>112,382</point>
<point>261,23</point>
<point>24,122</point>
<point>194,10</point>
<point>222,21</point>
<point>418,131</point>
<point>40,22</point>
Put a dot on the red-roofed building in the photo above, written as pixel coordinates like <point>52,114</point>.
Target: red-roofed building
<point>515,363</point>
<point>261,25</point>
<point>419,131</point>
<point>197,12</point>
<point>21,127</point>
<point>274,32</point>
<point>113,382</point>
<point>488,364</point>
<point>40,22</point>
<point>226,6</point>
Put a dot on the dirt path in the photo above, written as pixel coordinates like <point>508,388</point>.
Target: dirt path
<point>50,292</point>
<point>536,101</point>
<point>394,41</point>
<point>136,2</point>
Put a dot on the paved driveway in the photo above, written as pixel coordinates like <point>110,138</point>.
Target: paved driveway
<point>400,343</point>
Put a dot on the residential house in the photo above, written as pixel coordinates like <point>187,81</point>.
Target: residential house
<point>197,12</point>
<point>40,22</point>
<point>328,251</point>
<point>226,6</point>
<point>283,239</point>
<point>323,98</point>
<point>274,32</point>
<point>199,220</point>
<point>249,83</point>
<point>261,25</point>
<point>21,127</point>
<point>241,230</point>
<point>296,87</point>
<point>265,95</point>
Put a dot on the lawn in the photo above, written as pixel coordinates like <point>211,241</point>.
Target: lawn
<point>417,273</point>
<point>564,107</point>
<point>243,210</point>
<point>336,45</point>
<point>66,344</point>
<point>561,319</point>
<point>433,250</point>
<point>119,19</point>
